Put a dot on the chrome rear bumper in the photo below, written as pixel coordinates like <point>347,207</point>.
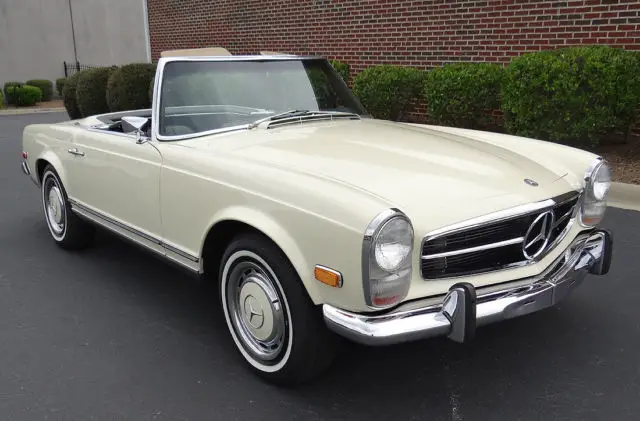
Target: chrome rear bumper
<point>25,168</point>
<point>458,314</point>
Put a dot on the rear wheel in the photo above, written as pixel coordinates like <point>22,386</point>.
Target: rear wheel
<point>66,228</point>
<point>272,321</point>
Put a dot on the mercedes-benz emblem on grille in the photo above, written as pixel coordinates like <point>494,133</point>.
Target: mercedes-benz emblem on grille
<point>537,237</point>
<point>531,182</point>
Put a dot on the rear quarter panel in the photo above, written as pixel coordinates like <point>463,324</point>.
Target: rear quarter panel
<point>47,142</point>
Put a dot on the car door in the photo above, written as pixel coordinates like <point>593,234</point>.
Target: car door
<point>115,181</point>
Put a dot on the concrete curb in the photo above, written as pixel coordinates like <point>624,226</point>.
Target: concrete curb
<point>31,111</point>
<point>625,196</point>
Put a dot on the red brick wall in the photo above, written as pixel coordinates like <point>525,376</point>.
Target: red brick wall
<point>417,33</point>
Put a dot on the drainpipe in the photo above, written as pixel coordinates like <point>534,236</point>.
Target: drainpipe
<point>73,33</point>
<point>147,40</point>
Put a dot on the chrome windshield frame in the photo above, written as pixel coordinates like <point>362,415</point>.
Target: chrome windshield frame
<point>157,88</point>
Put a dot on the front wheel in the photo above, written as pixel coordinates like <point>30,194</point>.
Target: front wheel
<point>272,321</point>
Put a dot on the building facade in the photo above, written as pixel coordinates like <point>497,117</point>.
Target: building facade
<point>418,33</point>
<point>37,36</point>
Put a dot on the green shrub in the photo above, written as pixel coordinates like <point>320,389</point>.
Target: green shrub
<point>463,94</point>
<point>60,84</point>
<point>25,95</point>
<point>326,96</point>
<point>571,95</point>
<point>128,87</point>
<point>343,69</point>
<point>1,100</point>
<point>46,86</point>
<point>10,97</point>
<point>91,91</point>
<point>387,91</point>
<point>69,95</point>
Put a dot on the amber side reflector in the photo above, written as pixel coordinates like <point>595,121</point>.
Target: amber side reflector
<point>328,276</point>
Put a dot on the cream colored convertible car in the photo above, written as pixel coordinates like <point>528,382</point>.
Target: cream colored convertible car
<point>267,176</point>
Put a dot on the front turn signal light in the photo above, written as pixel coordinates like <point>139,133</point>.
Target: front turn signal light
<point>328,276</point>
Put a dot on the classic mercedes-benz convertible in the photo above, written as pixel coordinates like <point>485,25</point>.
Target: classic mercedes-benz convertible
<point>266,175</point>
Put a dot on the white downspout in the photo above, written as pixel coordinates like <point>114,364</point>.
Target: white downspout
<point>147,38</point>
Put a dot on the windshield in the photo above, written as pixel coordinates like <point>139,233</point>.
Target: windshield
<point>200,96</point>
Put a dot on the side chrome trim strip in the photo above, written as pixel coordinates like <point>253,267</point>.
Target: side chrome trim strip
<point>472,249</point>
<point>108,222</point>
<point>180,252</point>
<point>94,213</point>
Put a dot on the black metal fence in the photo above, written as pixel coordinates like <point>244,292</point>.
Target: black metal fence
<point>71,68</point>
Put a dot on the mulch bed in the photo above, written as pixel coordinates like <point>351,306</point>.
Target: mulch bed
<point>624,160</point>
<point>54,103</point>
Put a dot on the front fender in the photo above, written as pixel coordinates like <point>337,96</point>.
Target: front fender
<point>277,233</point>
<point>308,239</point>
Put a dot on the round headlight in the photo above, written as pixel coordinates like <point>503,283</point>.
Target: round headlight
<point>393,244</point>
<point>598,183</point>
<point>601,181</point>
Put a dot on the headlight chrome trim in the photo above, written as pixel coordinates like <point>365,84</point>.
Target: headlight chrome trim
<point>368,242</point>
<point>587,191</point>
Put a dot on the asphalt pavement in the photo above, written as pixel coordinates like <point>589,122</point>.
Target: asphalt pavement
<point>112,333</point>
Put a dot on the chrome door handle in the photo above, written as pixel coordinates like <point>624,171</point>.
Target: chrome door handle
<point>75,151</point>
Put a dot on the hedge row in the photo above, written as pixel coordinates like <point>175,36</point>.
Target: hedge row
<point>343,69</point>
<point>60,85</point>
<point>128,87</point>
<point>46,87</point>
<point>11,100</point>
<point>91,91</point>
<point>21,94</point>
<point>573,95</point>
<point>388,91</point>
<point>24,95</point>
<point>107,89</point>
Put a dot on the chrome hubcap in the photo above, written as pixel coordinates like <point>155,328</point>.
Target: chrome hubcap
<point>54,206</point>
<point>255,310</point>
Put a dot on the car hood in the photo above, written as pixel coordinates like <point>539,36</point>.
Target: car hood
<point>413,168</point>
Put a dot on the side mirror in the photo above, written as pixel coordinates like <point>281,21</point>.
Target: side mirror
<point>135,124</point>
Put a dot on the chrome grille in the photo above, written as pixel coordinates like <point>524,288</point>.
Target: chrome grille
<point>494,244</point>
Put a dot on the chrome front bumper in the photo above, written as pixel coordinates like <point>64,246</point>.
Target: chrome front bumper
<point>461,310</point>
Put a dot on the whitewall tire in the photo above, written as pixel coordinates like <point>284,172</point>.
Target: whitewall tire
<point>65,227</point>
<point>273,323</point>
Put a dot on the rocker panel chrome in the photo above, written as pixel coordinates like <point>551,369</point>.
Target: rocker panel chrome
<point>149,242</point>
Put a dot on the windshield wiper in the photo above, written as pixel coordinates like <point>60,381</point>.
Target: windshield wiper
<point>283,114</point>
<point>293,113</point>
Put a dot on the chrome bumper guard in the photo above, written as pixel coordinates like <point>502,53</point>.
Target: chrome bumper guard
<point>461,310</point>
